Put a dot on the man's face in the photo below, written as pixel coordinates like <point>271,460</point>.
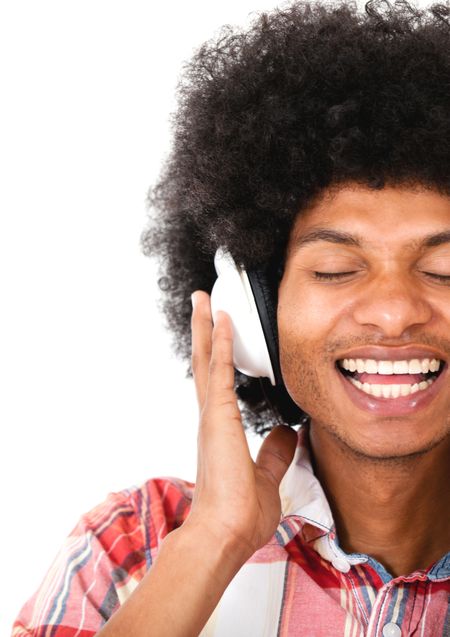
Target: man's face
<point>380,303</point>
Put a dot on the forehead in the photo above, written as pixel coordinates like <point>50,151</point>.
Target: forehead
<point>392,214</point>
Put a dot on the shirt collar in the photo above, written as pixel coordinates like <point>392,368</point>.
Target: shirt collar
<point>306,510</point>
<point>309,502</point>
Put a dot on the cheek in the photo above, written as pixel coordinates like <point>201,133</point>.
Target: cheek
<point>303,331</point>
<point>312,323</point>
<point>304,315</point>
<point>304,373</point>
<point>312,306</point>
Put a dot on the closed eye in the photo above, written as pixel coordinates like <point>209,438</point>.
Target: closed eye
<point>333,275</point>
<point>443,278</point>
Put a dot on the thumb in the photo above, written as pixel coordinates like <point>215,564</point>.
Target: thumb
<point>277,451</point>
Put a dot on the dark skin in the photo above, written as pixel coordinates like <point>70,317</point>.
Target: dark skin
<point>409,524</point>
<point>386,473</point>
<point>386,476</point>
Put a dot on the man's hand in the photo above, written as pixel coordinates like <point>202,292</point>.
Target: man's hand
<point>236,506</point>
<point>235,497</point>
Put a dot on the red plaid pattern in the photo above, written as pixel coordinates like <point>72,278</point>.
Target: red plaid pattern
<point>300,583</point>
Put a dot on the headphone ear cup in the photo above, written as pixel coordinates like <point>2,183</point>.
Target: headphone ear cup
<point>265,293</point>
<point>248,300</point>
<point>233,293</point>
<point>265,299</point>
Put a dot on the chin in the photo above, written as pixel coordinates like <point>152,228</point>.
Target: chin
<point>382,448</point>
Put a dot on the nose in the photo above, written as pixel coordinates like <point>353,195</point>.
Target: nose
<point>392,304</point>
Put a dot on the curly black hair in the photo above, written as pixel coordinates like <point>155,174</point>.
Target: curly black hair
<point>309,96</point>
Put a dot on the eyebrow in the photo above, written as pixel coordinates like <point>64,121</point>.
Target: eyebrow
<point>355,241</point>
<point>433,240</point>
<point>332,236</point>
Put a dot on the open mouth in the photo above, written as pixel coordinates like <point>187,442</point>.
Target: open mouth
<point>391,379</point>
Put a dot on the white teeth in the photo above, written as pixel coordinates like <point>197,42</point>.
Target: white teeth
<point>400,367</point>
<point>391,391</point>
<point>385,367</point>
<point>395,391</point>
<point>434,365</point>
<point>386,391</point>
<point>376,391</point>
<point>405,390</point>
<point>372,366</point>
<point>415,367</point>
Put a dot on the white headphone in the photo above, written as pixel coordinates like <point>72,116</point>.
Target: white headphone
<point>247,298</point>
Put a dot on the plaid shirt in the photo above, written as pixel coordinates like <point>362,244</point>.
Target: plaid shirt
<point>300,583</point>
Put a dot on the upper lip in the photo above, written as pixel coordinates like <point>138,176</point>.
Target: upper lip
<point>392,353</point>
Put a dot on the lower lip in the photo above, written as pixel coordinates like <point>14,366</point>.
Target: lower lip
<point>393,406</point>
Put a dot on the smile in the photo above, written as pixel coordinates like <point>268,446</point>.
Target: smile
<point>391,379</point>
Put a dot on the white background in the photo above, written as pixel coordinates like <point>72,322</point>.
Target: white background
<point>91,399</point>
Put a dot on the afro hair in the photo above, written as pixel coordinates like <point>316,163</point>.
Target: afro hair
<point>309,96</point>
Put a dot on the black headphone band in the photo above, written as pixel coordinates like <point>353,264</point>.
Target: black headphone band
<point>263,294</point>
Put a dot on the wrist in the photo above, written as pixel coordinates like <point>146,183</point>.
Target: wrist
<point>215,546</point>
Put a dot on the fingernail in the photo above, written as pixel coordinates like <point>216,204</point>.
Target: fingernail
<point>193,299</point>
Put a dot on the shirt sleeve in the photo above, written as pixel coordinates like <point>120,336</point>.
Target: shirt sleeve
<point>103,560</point>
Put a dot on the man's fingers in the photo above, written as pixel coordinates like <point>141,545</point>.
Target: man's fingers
<point>212,362</point>
<point>221,369</point>
<point>277,451</point>
<point>201,343</point>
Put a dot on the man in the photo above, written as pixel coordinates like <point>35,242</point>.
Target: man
<point>314,149</point>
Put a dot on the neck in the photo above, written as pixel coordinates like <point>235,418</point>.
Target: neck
<point>394,510</point>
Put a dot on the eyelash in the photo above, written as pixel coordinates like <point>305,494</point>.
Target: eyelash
<point>330,276</point>
<point>443,278</point>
